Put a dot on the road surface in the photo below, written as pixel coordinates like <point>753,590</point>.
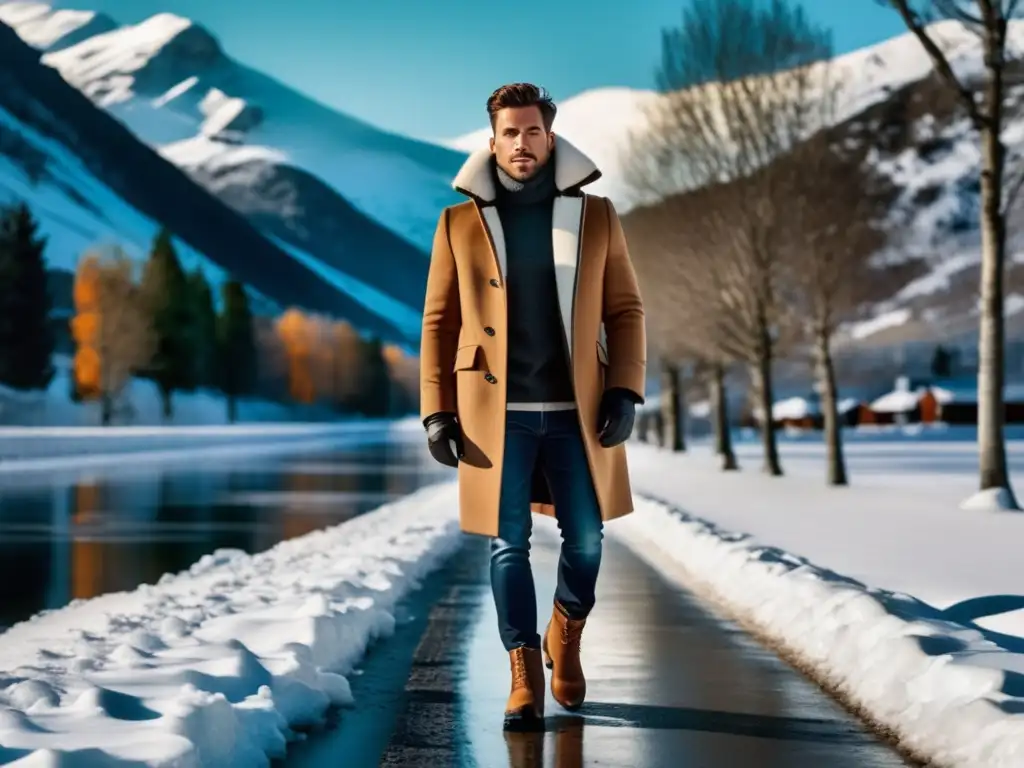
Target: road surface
<point>670,684</point>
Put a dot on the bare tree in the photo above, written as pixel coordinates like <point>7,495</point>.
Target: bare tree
<point>990,20</point>
<point>673,249</point>
<point>742,83</point>
<point>835,216</point>
<point>673,404</point>
<point>719,398</point>
<point>666,308</point>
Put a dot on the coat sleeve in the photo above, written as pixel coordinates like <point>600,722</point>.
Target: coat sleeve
<point>442,321</point>
<point>623,314</point>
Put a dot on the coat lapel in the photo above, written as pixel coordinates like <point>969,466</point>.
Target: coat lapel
<point>566,226</point>
<point>492,226</point>
<point>573,170</point>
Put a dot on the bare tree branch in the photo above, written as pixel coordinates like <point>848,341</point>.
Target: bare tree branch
<point>743,86</point>
<point>917,25</point>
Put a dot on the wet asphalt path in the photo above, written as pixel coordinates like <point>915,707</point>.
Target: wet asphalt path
<point>670,685</point>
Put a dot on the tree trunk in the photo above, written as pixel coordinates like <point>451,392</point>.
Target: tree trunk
<point>991,330</point>
<point>642,424</point>
<point>723,433</point>
<point>830,412</point>
<point>672,406</point>
<point>167,405</point>
<point>659,427</point>
<point>106,409</point>
<point>232,404</point>
<point>762,375</point>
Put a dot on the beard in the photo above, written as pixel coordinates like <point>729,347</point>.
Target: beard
<point>522,172</point>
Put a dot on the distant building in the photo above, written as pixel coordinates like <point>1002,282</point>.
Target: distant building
<point>949,401</point>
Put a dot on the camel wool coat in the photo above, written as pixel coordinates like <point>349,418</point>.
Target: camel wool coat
<point>464,344</point>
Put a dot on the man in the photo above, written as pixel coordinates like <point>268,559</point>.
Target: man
<point>532,359</point>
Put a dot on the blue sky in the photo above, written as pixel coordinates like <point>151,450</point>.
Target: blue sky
<point>426,68</point>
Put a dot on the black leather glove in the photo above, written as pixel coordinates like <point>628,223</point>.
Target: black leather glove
<point>615,416</point>
<point>444,438</point>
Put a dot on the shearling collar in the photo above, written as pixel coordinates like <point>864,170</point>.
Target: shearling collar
<point>572,169</point>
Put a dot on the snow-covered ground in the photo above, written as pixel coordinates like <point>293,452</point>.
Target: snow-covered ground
<point>218,665</point>
<point>46,431</point>
<point>51,449</point>
<point>887,591</point>
<point>141,406</point>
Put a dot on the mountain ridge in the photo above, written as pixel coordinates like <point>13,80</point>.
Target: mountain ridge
<point>923,145</point>
<point>140,60</point>
<point>57,139</point>
<point>271,152</point>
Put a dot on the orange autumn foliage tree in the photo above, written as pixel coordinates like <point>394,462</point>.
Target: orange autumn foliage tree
<point>324,358</point>
<point>404,371</point>
<point>85,328</point>
<point>329,362</point>
<point>111,330</point>
<point>294,331</point>
<point>348,357</point>
<point>319,335</point>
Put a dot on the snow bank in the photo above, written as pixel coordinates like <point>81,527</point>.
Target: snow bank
<point>217,665</point>
<point>142,406</point>
<point>951,691</point>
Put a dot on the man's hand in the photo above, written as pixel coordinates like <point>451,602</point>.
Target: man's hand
<point>444,438</point>
<point>615,416</point>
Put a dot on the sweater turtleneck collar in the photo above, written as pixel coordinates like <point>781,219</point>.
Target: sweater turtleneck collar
<point>535,189</point>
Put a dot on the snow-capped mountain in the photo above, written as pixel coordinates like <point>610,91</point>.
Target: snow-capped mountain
<point>924,146</point>
<point>357,199</point>
<point>51,30</point>
<point>91,182</point>
<point>601,121</point>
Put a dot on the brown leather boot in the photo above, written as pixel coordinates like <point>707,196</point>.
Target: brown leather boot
<point>525,707</point>
<point>561,646</point>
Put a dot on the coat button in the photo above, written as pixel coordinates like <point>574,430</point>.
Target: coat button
<point>490,378</point>
<point>495,282</point>
<point>489,331</point>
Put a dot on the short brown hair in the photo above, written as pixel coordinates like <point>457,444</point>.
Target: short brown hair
<point>522,95</point>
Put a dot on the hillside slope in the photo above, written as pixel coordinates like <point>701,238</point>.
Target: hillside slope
<point>924,148</point>
<point>92,182</point>
<point>358,199</point>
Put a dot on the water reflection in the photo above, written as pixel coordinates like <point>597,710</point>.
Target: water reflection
<point>526,749</point>
<point>85,534</point>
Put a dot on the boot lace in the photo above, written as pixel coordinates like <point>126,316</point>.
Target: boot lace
<point>519,678</point>
<point>572,634</point>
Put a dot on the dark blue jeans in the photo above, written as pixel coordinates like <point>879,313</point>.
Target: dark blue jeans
<point>552,440</point>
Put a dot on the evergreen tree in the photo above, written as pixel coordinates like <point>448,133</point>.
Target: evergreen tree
<point>236,344</point>
<point>204,327</point>
<point>166,295</point>
<point>26,337</point>
<point>942,363</point>
<point>375,384</point>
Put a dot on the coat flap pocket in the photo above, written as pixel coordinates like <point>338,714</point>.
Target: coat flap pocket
<point>465,357</point>
<point>602,354</point>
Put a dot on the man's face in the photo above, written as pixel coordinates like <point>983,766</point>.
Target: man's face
<point>520,144</point>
